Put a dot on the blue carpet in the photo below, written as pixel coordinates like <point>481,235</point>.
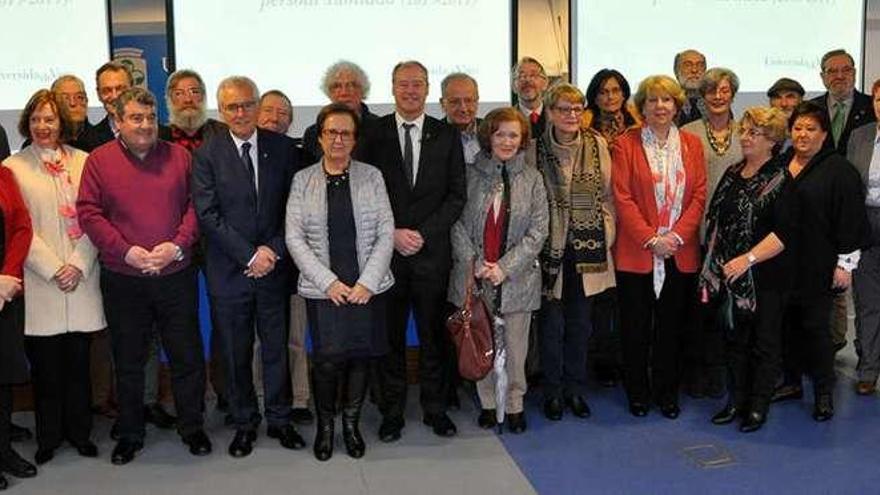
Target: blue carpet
<point>613,452</point>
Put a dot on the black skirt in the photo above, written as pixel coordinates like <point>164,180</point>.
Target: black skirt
<point>348,331</point>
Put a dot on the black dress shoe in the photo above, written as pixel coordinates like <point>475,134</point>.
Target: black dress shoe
<point>243,443</point>
<point>670,410</point>
<point>553,408</point>
<point>287,436</point>
<point>198,442</point>
<point>355,446</point>
<point>753,422</point>
<point>638,409</point>
<point>726,415</point>
<point>85,449</point>
<point>302,416</point>
<point>3,483</point>
<point>389,430</point>
<point>155,414</point>
<point>787,392</point>
<point>824,408</point>
<point>486,419</point>
<point>42,456</point>
<point>579,406</point>
<point>441,424</point>
<point>323,446</point>
<point>125,451</point>
<point>12,463</point>
<point>19,433</point>
<point>516,422</point>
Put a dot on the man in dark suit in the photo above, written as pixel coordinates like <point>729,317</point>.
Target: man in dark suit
<point>847,108</point>
<point>241,180</point>
<point>460,99</point>
<point>72,90</point>
<point>530,81</point>
<point>422,162</point>
<point>690,66</point>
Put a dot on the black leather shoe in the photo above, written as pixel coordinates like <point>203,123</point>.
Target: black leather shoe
<point>389,430</point>
<point>753,422</point>
<point>85,449</point>
<point>243,443</point>
<point>199,444</point>
<point>287,436</point>
<point>42,456</point>
<point>787,392</point>
<point>323,447</point>
<point>486,419</point>
<point>19,433</point>
<point>3,483</point>
<point>670,410</point>
<point>824,408</point>
<point>638,409</point>
<point>516,422</point>
<point>553,408</point>
<point>12,463</point>
<point>726,415</point>
<point>355,446</point>
<point>579,406</point>
<point>441,424</point>
<point>125,451</point>
<point>302,416</point>
<point>155,414</point>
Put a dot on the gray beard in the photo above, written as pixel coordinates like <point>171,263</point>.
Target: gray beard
<point>189,120</point>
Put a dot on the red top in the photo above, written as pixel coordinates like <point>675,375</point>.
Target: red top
<point>637,220</point>
<point>16,225</point>
<point>492,233</point>
<point>125,201</point>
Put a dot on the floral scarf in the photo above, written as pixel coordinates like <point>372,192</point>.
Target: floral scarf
<point>667,169</point>
<point>56,164</point>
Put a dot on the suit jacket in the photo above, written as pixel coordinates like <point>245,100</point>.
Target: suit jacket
<point>436,200</point>
<point>95,135</point>
<point>4,144</point>
<point>860,149</point>
<point>861,113</point>
<point>234,219</point>
<point>637,219</point>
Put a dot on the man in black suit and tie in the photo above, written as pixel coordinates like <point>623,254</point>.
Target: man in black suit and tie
<point>422,162</point>
<point>460,99</point>
<point>848,109</point>
<point>530,82</point>
<point>241,180</point>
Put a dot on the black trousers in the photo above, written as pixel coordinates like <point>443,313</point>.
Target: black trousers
<point>62,388</point>
<point>5,417</point>
<point>603,351</point>
<point>266,310</point>
<point>754,347</point>
<point>133,305</point>
<point>807,342</point>
<point>427,298</point>
<point>651,331</point>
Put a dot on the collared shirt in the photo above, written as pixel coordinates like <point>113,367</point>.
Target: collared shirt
<point>416,136</point>
<point>113,127</point>
<point>253,153</point>
<point>873,196</point>
<point>188,141</point>
<point>470,143</point>
<point>847,105</point>
<point>528,111</point>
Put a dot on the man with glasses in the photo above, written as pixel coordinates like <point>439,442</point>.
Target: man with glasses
<point>689,67</point>
<point>72,90</point>
<point>241,179</point>
<point>847,108</point>
<point>344,82</point>
<point>147,277</point>
<point>422,162</point>
<point>460,99</point>
<point>529,83</point>
<point>188,119</point>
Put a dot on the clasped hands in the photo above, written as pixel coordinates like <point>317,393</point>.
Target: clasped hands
<point>408,241</point>
<point>67,278</point>
<point>151,262</point>
<point>341,294</point>
<point>664,245</point>
<point>491,272</point>
<point>262,264</point>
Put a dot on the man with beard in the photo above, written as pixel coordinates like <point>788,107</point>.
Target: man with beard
<point>529,83</point>
<point>785,94</point>
<point>188,120</point>
<point>460,99</point>
<point>689,67</point>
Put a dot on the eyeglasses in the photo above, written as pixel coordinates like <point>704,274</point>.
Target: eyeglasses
<point>79,98</point>
<point>524,76</point>
<point>839,71</point>
<point>751,132</point>
<point>460,102</point>
<point>610,92</point>
<point>180,93</point>
<point>564,110</point>
<point>246,106</point>
<point>332,134</point>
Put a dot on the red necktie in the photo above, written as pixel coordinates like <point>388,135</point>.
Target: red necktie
<point>534,116</point>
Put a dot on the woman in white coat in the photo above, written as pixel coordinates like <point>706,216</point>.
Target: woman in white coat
<point>62,294</point>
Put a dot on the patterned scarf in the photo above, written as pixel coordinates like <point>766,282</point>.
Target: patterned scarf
<point>728,241</point>
<point>56,164</point>
<point>575,210</point>
<point>667,168</point>
<point>610,125</point>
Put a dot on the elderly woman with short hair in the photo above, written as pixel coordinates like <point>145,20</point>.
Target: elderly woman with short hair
<point>497,238</point>
<point>659,179</point>
<point>749,264</point>
<point>576,260</point>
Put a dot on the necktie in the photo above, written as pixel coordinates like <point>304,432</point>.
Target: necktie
<point>838,121</point>
<point>408,154</point>
<point>533,117</point>
<point>248,163</point>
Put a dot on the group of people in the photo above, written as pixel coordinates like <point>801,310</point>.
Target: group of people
<point>651,231</point>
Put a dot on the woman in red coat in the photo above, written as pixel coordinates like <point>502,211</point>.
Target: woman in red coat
<point>15,240</point>
<point>659,181</point>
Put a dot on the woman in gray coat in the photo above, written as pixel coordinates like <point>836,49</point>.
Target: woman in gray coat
<point>340,232</point>
<point>499,234</point>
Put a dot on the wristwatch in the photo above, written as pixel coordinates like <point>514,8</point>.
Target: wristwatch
<point>178,253</point>
<point>751,258</point>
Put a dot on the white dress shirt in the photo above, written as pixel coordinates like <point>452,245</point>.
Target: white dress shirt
<point>416,135</point>
<point>253,152</point>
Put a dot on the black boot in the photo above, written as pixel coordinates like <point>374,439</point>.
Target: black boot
<point>351,412</point>
<point>324,379</point>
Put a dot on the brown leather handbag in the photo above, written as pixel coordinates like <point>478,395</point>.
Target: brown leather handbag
<point>471,330</point>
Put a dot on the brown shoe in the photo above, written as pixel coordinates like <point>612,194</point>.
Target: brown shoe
<point>866,388</point>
